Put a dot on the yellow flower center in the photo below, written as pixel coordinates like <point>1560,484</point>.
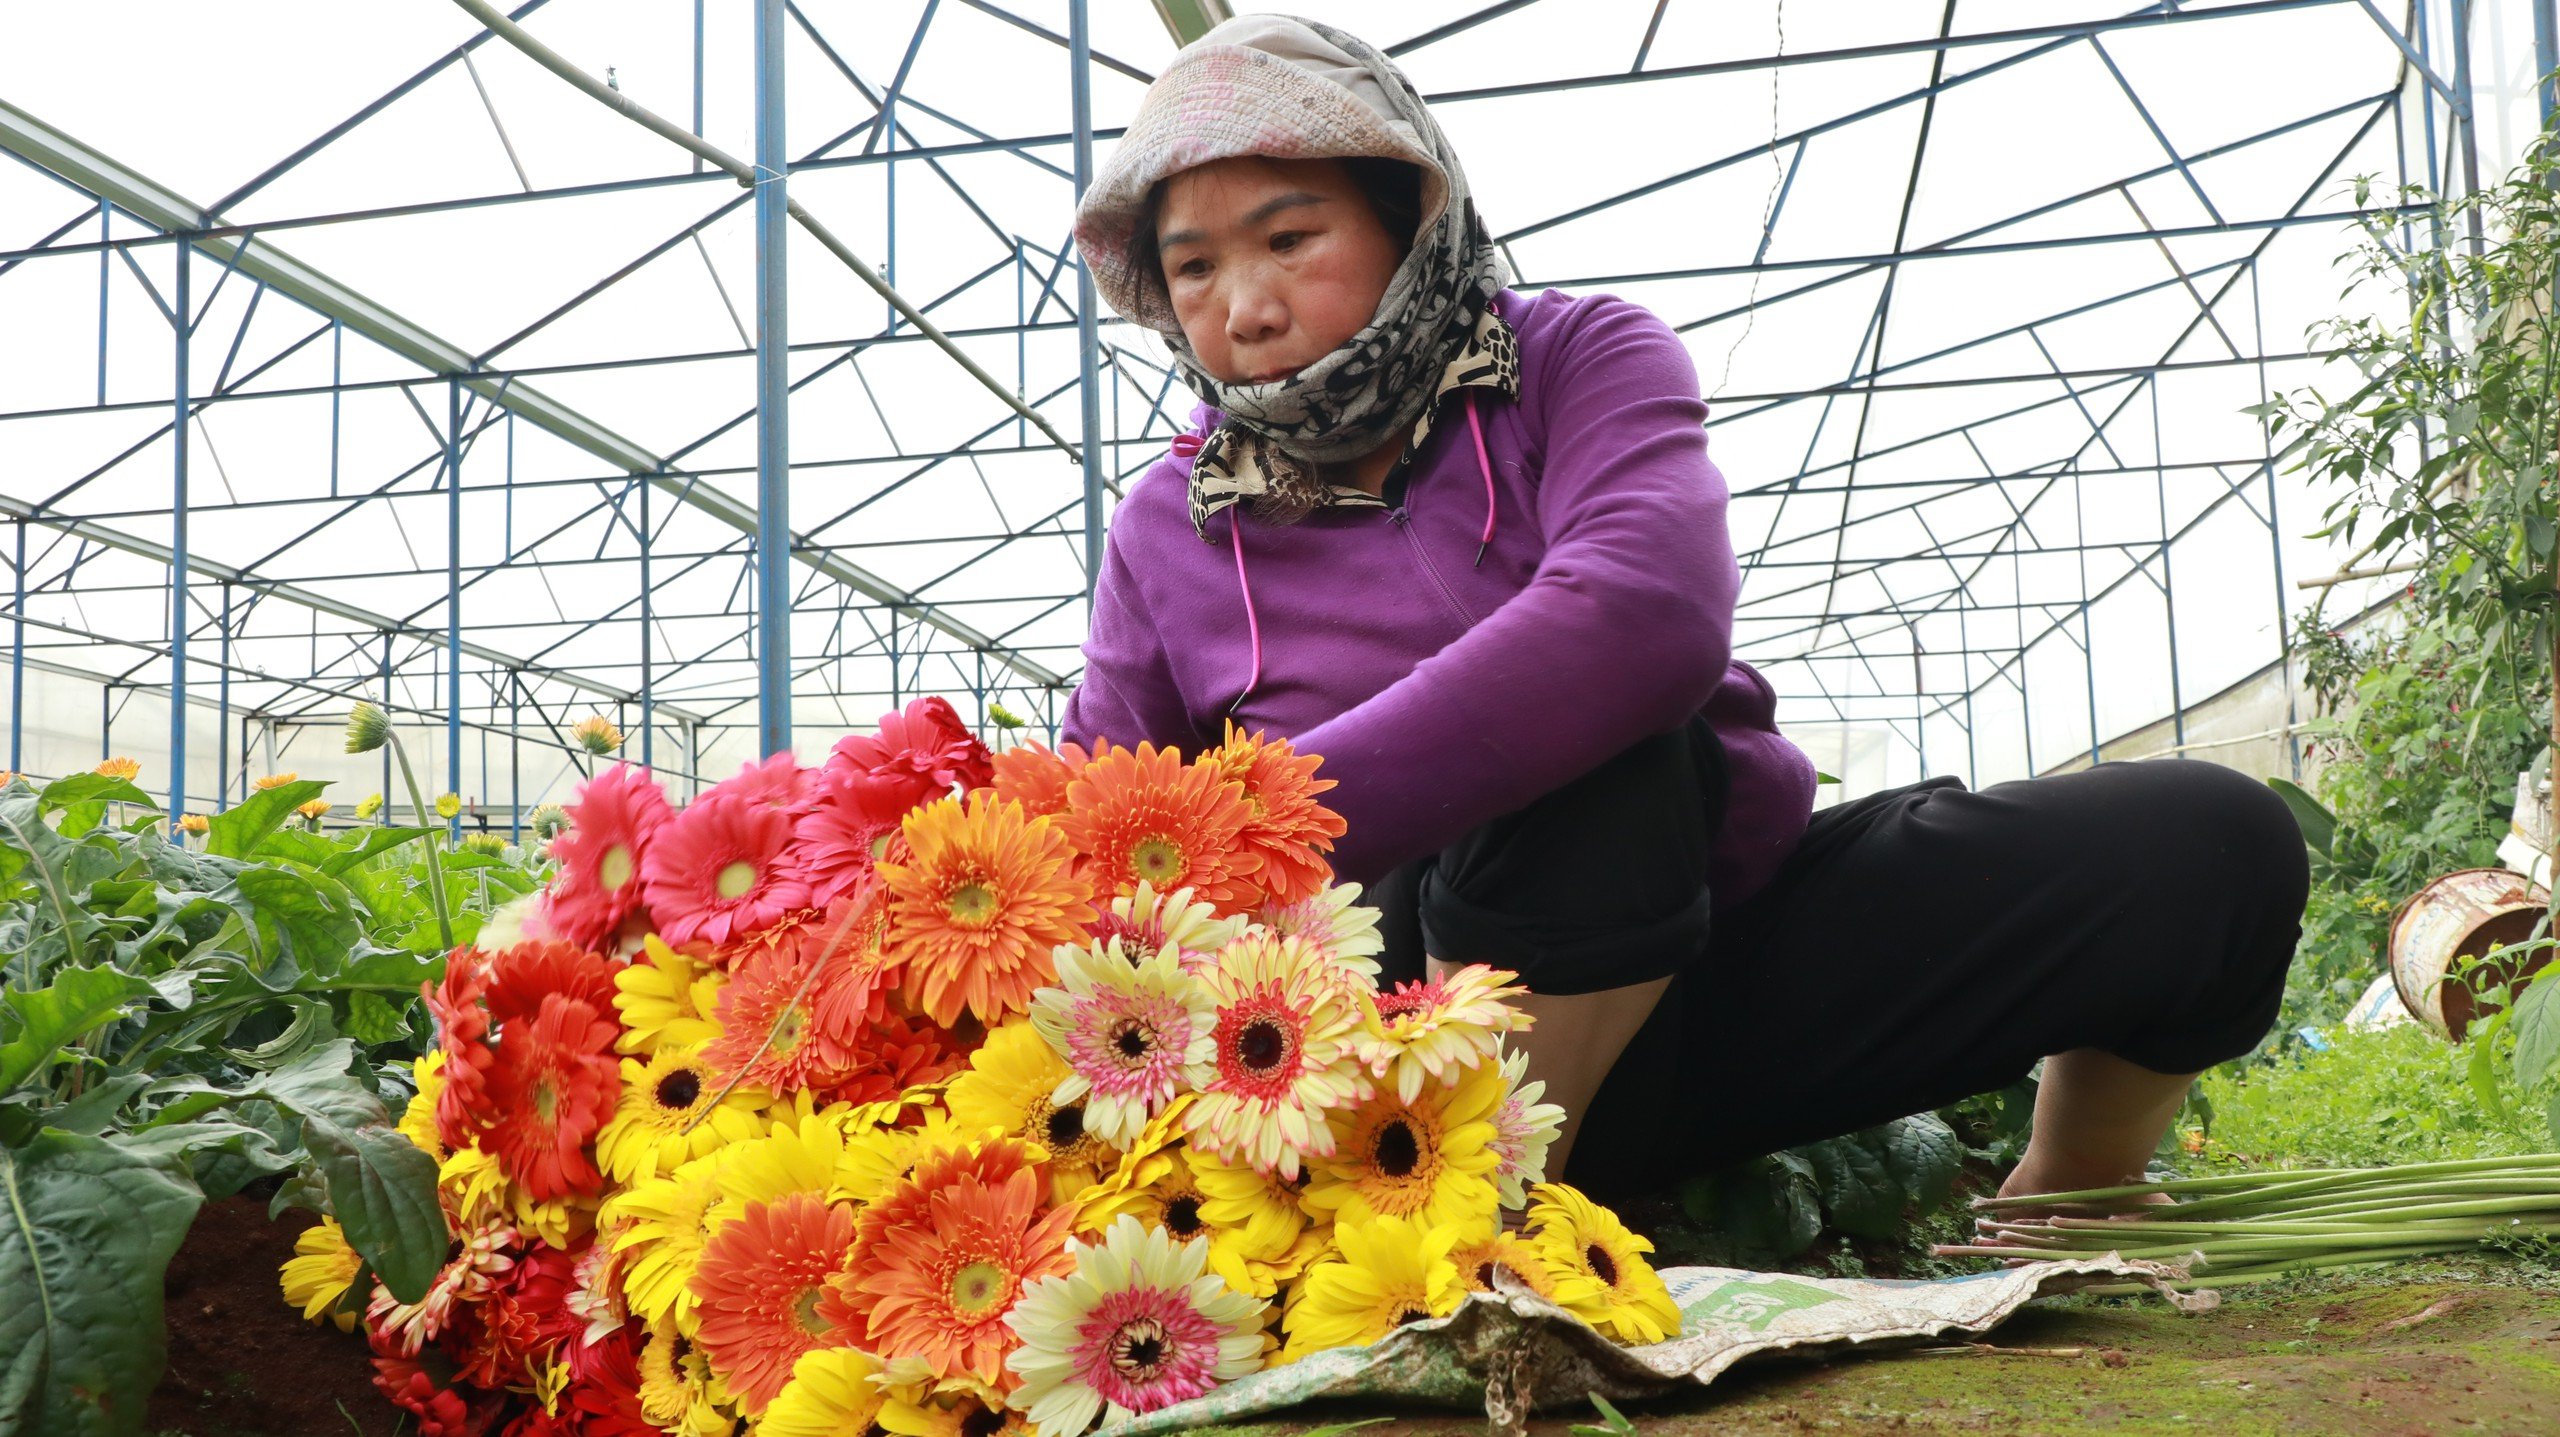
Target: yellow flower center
<point>977,1289</point>
<point>736,880</point>
<point>972,903</point>
<point>805,1309</point>
<point>614,869</point>
<point>1158,860</point>
<point>787,1031</point>
<point>546,1101</point>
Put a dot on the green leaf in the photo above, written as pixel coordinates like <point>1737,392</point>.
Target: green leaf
<point>2319,825</point>
<point>2537,1025</point>
<point>1768,1203</point>
<point>382,1189</point>
<point>238,832</point>
<point>1858,1191</point>
<point>78,1000</point>
<point>1924,1155</point>
<point>52,865</point>
<point>369,844</point>
<point>314,920</point>
<point>85,1241</point>
<point>1336,1429</point>
<point>1820,778</point>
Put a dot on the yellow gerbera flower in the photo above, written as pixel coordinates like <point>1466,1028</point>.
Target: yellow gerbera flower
<point>476,1190</point>
<point>1390,1272</point>
<point>1255,1213</point>
<point>659,1226</point>
<point>830,1393</point>
<point>1010,1086</point>
<point>666,998</point>
<point>1600,1272</point>
<point>1488,1251</point>
<point>1153,1182</point>
<point>320,1271</point>
<point>418,1120</point>
<point>596,734</point>
<point>124,768</point>
<point>910,1412</point>
<point>1424,1031</point>
<point>875,1158</point>
<point>678,1388</point>
<point>1263,1276</point>
<point>1429,1158</point>
<point>798,1156</point>
<point>274,780</point>
<point>448,805</point>
<point>671,1112</point>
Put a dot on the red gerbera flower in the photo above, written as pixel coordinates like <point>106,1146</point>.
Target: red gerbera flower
<point>422,1386</point>
<point>1149,816</point>
<point>1289,829</point>
<point>1037,777</point>
<point>926,749</point>
<point>462,1031</point>
<point>600,854</point>
<point>777,783</point>
<point>497,1338</point>
<point>721,869</point>
<point>894,1054</point>
<point>761,1280</point>
<point>554,1087</point>
<point>485,1000</point>
<point>843,830</point>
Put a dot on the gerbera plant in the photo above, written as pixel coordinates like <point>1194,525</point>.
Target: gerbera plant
<point>925,1090</point>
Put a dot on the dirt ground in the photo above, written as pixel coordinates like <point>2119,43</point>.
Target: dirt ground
<point>241,1363</point>
<point>2447,1349</point>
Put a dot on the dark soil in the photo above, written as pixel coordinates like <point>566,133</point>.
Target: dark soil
<point>242,1363</point>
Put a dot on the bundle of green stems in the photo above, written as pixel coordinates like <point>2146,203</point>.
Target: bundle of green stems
<point>2248,1227</point>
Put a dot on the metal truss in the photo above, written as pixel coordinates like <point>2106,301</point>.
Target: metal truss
<point>604,494</point>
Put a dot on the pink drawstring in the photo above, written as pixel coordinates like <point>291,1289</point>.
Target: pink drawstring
<point>1252,624</point>
<point>1476,427</point>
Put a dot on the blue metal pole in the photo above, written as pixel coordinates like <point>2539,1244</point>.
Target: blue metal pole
<point>453,599</point>
<point>18,661</point>
<point>2546,58</point>
<point>773,395</point>
<point>222,723</point>
<point>184,326</point>
<point>1088,343</point>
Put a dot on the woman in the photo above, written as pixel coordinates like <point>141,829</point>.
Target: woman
<point>1467,544</point>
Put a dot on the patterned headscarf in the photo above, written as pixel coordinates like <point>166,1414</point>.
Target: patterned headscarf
<point>1286,88</point>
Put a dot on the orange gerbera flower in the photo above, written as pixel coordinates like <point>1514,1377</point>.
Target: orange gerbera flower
<point>940,1289</point>
<point>1037,776</point>
<point>1148,816</point>
<point>761,1281</point>
<point>768,1023</point>
<point>1289,829</point>
<point>987,892</point>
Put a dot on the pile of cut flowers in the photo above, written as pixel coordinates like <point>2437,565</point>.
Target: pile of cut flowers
<point>929,1090</point>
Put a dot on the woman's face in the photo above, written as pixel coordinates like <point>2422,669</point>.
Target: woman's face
<point>1271,264</point>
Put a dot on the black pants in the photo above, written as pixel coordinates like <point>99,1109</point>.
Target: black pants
<point>1921,944</point>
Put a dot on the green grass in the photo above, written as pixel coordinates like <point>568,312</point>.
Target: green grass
<point>2395,1096</point>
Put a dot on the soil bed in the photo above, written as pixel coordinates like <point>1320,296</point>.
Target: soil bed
<point>241,1363</point>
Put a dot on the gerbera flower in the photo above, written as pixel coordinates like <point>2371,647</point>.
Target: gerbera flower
<point>671,1112</point>
<point>940,1289</point>
<point>666,998</point>
<point>320,1271</point>
<point>974,915</point>
<point>1149,816</point>
<point>1488,1252</point>
<point>913,1411</point>
<point>261,783</point>
<point>1289,830</point>
<point>678,1389</point>
<point>1036,776</point>
<point>1145,922</point>
<point>1012,1085</point>
<point>1388,1273</point>
<point>555,1085</point>
<point>418,1119</point>
<point>505,1337</point>
<point>878,1157</point>
<point>769,1032</point>
<point>1138,1327</point>
<point>429,1395</point>
<point>1523,1129</point>
<point>1134,1034</point>
<point>484,1255</point>
<point>760,1281</point>
<point>1333,920</point>
<point>1600,1272</point>
<point>830,1394</point>
<point>659,1226</point>
<point>800,1155</point>
<point>1428,1031</point>
<point>1153,1182</point>
<point>778,783</point>
<point>1253,1214</point>
<point>596,734</point>
<point>611,826</point>
<point>1430,1159</point>
<point>1283,1055</point>
<point>474,1189</point>
<point>312,811</point>
<point>856,976</point>
<point>926,750</point>
<point>942,1158</point>
<point>843,829</point>
<point>721,870</point>
<point>126,768</point>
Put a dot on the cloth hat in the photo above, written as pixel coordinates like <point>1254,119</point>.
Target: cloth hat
<point>1264,85</point>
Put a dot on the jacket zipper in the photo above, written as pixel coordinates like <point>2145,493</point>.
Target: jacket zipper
<point>1400,517</point>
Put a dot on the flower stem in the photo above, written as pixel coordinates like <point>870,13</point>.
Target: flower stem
<point>435,865</point>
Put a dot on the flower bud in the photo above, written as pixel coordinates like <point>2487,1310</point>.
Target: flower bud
<point>368,727</point>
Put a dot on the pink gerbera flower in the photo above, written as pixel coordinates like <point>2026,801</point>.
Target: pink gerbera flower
<point>720,870</point>
<point>1135,1034</point>
<point>778,783</point>
<point>926,750</point>
<point>843,829</point>
<point>1136,1328</point>
<point>611,827</point>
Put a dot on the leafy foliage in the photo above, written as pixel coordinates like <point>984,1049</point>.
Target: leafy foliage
<point>2397,1095</point>
<point>176,1024</point>
<point>1863,1184</point>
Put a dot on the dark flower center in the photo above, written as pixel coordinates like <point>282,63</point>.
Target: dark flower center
<point>1603,1266</point>
<point>1141,1350</point>
<point>1066,1125</point>
<point>1412,1314</point>
<point>1399,1152</point>
<point>1182,1216</point>
<point>1133,1040</point>
<point>984,1422</point>
<point>1484,1275</point>
<point>1262,1044</point>
<point>680,1089</point>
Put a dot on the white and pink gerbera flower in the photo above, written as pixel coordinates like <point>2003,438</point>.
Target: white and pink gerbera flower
<point>1136,1031</point>
<point>1523,1129</point>
<point>1135,1328</point>
<point>1334,921</point>
<point>1431,1030</point>
<point>1147,922</point>
<point>1284,1057</point>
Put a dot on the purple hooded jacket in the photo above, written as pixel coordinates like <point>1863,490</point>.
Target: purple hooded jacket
<point>1443,692</point>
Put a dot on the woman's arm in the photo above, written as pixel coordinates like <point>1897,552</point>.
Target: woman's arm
<point>1624,630</point>
<point>1127,695</point>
